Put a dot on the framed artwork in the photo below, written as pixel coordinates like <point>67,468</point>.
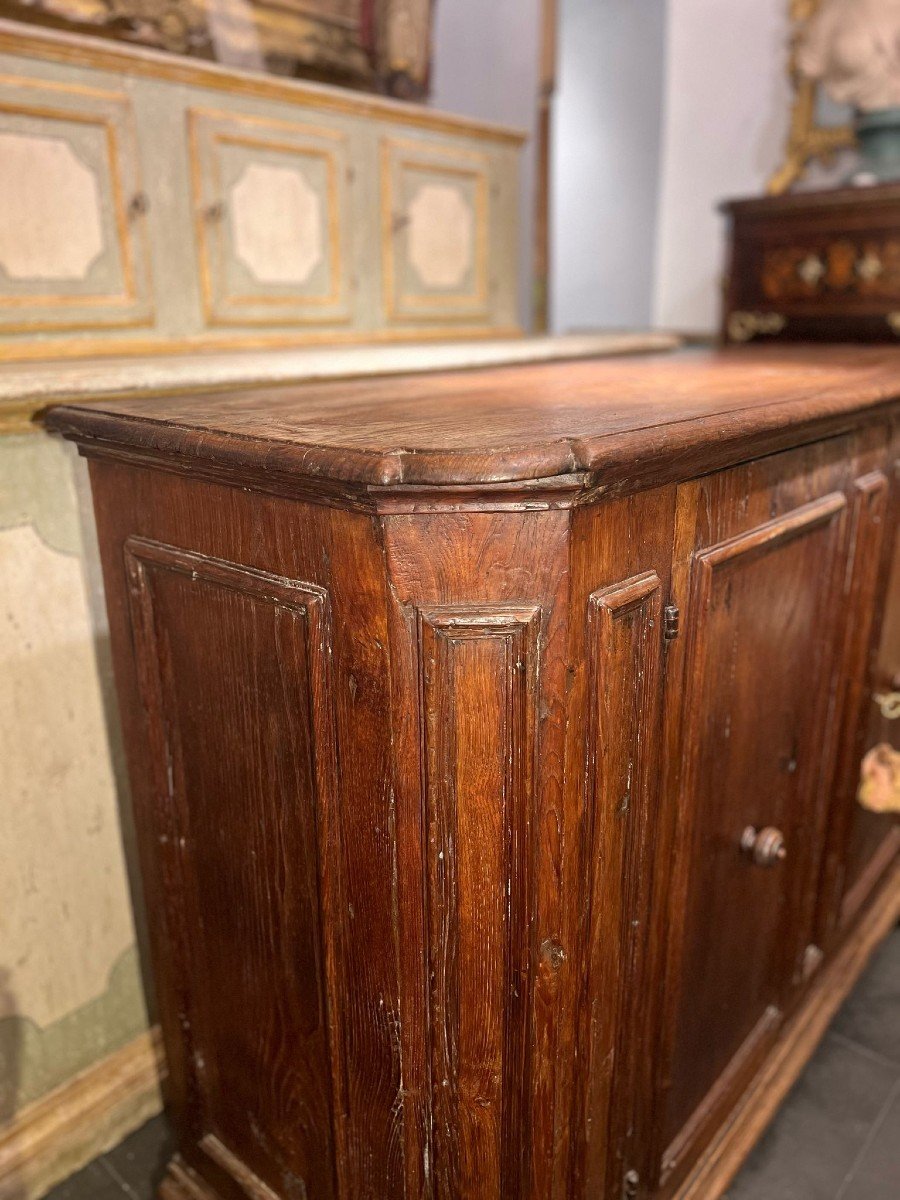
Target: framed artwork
<point>818,128</point>
<point>380,45</point>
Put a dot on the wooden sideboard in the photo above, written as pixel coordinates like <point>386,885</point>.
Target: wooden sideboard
<point>495,739</point>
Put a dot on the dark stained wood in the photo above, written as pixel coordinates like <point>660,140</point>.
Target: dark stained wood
<point>761,604</point>
<point>480,628</point>
<point>447,702</point>
<point>825,265</point>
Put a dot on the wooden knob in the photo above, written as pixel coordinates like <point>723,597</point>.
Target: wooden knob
<point>765,846</point>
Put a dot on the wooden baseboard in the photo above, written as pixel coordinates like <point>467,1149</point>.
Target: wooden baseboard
<point>181,1183</point>
<point>795,1047</point>
<point>58,1134</point>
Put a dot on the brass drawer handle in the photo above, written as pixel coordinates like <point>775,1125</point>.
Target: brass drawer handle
<point>765,846</point>
<point>744,326</point>
<point>889,703</point>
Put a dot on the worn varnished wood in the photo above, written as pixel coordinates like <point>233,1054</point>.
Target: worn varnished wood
<point>635,419</point>
<point>760,602</point>
<point>447,700</point>
<point>620,584</point>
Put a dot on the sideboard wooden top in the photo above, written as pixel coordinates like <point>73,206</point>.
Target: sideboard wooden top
<point>653,418</point>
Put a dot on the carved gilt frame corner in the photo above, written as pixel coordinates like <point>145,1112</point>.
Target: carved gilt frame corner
<point>806,140</point>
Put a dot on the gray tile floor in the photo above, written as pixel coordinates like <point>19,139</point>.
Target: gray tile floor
<point>837,1136</point>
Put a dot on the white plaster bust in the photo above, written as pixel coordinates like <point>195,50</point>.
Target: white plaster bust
<point>853,48</point>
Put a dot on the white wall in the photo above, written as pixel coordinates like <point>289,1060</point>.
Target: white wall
<point>664,108</point>
<point>485,64</point>
<point>726,111</point>
<point>606,148</point>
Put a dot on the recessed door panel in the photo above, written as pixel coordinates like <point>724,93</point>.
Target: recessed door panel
<point>241,732</point>
<point>436,213</point>
<point>760,649</point>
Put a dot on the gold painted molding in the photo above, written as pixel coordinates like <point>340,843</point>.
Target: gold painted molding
<point>65,1129</point>
<point>128,296</point>
<point>806,139</point>
<point>223,128</point>
<point>77,50</point>
<point>399,307</point>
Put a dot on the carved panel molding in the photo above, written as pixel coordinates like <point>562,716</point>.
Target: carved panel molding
<point>624,656</point>
<point>271,664</point>
<point>478,684</point>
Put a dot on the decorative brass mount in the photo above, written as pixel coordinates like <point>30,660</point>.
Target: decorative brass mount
<point>744,326</point>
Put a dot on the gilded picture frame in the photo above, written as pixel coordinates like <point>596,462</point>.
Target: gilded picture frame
<point>378,45</point>
<point>808,140</point>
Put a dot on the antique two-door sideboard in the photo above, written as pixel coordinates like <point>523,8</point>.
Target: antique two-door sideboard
<point>495,740</point>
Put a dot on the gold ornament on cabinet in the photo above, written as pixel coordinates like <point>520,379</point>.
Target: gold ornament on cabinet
<point>879,779</point>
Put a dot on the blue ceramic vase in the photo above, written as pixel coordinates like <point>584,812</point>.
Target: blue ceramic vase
<point>878,134</point>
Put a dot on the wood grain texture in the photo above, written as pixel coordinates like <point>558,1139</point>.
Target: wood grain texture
<point>745,692</point>
<point>257,744</point>
<point>478,630</point>
<point>479,675</point>
<point>638,419</point>
<point>448,701</point>
<point>625,647</point>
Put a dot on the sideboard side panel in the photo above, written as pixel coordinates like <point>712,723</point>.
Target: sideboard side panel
<point>242,740</point>
<point>335,638</point>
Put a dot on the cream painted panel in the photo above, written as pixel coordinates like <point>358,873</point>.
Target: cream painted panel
<point>277,224</point>
<point>39,237</point>
<point>272,217</point>
<point>436,231</point>
<point>72,238</point>
<point>195,232</point>
<point>441,236</point>
<point>65,913</point>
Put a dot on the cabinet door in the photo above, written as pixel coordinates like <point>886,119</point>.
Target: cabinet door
<point>758,574</point>
<point>272,209</point>
<point>874,835</point>
<point>863,832</point>
<point>436,232</point>
<point>73,252</point>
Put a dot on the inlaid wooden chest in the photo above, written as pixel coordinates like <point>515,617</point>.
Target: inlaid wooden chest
<point>495,740</point>
<point>815,266</point>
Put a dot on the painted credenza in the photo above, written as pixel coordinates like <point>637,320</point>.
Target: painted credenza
<point>183,207</point>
